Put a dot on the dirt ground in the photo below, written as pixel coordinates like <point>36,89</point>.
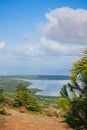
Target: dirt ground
<point>23,121</point>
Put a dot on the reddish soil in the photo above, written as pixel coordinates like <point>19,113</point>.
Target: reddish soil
<point>23,121</point>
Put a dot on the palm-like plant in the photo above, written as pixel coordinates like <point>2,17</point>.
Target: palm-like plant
<point>76,115</point>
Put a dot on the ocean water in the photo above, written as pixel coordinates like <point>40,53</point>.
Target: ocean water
<point>49,87</point>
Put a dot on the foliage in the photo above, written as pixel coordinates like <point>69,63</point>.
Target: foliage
<point>9,84</point>
<point>52,112</point>
<point>2,96</point>
<point>21,87</point>
<point>64,104</point>
<point>46,101</point>
<point>23,98</point>
<point>77,115</point>
<point>33,91</point>
<point>64,92</point>
<point>75,104</point>
<point>2,102</point>
<point>80,66</point>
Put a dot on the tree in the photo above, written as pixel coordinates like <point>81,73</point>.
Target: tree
<point>21,87</point>
<point>76,114</point>
<point>64,92</point>
<point>24,98</point>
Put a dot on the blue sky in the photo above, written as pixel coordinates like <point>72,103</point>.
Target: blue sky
<point>41,37</point>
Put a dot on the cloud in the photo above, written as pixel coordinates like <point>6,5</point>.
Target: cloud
<point>48,48</point>
<point>30,50</point>
<point>26,37</point>
<point>66,25</point>
<point>64,36</point>
<point>59,49</point>
<point>63,32</point>
<point>2,44</point>
<point>62,41</point>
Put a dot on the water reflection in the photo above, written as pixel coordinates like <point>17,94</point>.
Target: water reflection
<point>49,87</point>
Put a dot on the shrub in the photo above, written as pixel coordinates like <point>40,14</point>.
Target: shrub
<point>23,98</point>
<point>64,104</point>
<point>2,102</point>
<point>51,111</point>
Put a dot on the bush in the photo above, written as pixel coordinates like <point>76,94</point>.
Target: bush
<point>64,104</point>
<point>23,98</point>
<point>2,102</point>
<point>32,104</point>
<point>77,115</point>
<point>53,112</point>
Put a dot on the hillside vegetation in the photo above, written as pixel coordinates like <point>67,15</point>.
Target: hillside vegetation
<point>9,86</point>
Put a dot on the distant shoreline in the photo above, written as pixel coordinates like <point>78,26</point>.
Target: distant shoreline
<point>38,77</point>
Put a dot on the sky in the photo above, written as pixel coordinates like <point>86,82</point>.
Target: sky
<point>41,37</point>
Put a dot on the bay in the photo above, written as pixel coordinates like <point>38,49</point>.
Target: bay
<point>48,87</point>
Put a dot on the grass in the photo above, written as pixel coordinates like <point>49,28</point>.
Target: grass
<point>2,120</point>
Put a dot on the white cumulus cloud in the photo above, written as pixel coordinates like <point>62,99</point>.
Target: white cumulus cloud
<point>66,25</point>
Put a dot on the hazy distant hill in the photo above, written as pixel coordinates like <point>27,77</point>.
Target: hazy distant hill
<point>40,77</point>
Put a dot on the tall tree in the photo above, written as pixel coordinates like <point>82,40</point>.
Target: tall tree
<point>76,115</point>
